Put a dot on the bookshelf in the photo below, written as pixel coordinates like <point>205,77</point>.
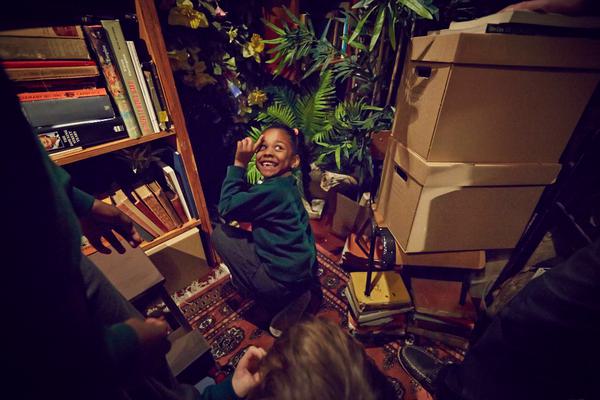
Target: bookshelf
<point>176,137</point>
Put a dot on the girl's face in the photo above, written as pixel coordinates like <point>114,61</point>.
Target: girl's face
<point>275,155</point>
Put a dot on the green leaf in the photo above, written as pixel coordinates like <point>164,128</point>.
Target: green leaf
<point>378,27</point>
<point>292,16</point>
<point>417,7</point>
<point>362,4</point>
<point>338,161</point>
<point>358,45</point>
<point>392,25</point>
<point>359,26</point>
<point>326,30</point>
<point>274,27</point>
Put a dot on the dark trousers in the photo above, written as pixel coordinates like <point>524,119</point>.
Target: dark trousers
<point>109,307</point>
<point>544,344</point>
<point>237,249</point>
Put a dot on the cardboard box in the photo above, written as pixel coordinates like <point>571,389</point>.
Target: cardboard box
<point>494,98</point>
<point>432,206</point>
<point>181,260</point>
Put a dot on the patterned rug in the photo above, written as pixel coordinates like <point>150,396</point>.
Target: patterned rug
<point>231,323</point>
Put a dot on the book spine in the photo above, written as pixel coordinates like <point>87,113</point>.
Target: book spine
<point>128,210</point>
<point>119,49</point>
<point>60,94</point>
<point>178,206</point>
<point>114,81</point>
<point>57,84</point>
<point>155,223</point>
<point>543,30</point>
<point>66,32</point>
<point>160,114</point>
<point>30,48</point>
<point>46,63</point>
<point>158,211</point>
<point>187,190</point>
<point>166,204</point>
<point>142,83</point>
<point>81,135</point>
<point>66,111</point>
<point>160,93</point>
<point>39,73</point>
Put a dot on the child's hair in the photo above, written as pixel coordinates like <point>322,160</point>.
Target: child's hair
<point>298,148</point>
<point>316,359</point>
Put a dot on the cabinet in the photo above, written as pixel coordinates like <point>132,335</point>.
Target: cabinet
<point>176,138</point>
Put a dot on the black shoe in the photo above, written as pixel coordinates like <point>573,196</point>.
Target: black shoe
<point>290,314</point>
<point>421,365</point>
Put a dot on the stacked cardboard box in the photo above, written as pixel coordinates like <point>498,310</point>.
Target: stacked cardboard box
<point>481,122</point>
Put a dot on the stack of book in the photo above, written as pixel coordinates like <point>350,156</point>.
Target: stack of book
<point>438,314</point>
<point>521,22</point>
<point>74,98</point>
<point>384,311</point>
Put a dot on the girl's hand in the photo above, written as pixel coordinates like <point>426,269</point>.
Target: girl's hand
<point>246,376</point>
<point>245,150</point>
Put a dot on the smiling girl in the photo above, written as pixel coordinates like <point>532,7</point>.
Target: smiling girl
<point>273,263</point>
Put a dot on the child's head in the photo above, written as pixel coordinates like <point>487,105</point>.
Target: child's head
<point>278,153</point>
<point>316,359</point>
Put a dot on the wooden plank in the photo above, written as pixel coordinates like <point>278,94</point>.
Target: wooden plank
<point>150,31</point>
<point>107,148</point>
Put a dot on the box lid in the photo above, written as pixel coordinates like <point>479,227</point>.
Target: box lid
<point>510,50</point>
<point>439,174</point>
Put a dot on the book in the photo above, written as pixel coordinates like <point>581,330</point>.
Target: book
<point>81,135</point>
<point>446,338</point>
<point>163,116</point>
<point>137,67</point>
<point>33,48</point>
<point>160,113</point>
<point>65,152</point>
<point>388,290</point>
<point>66,32</point>
<point>46,63</point>
<point>114,82</point>
<point>177,205</point>
<point>123,203</point>
<point>60,94</point>
<point>441,298</point>
<point>37,73</point>
<point>179,168</point>
<point>529,17</point>
<point>67,111</point>
<point>368,316</point>
<point>162,198</point>
<point>144,209</point>
<point>57,84</point>
<point>173,183</point>
<point>153,204</point>
<point>126,69</point>
<point>453,326</point>
<point>526,29</point>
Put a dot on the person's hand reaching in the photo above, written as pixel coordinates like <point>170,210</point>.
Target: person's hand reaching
<point>246,376</point>
<point>245,150</point>
<point>152,336</point>
<point>572,7</point>
<point>100,222</point>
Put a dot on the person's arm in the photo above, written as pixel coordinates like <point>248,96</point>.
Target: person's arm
<point>238,201</point>
<point>245,378</point>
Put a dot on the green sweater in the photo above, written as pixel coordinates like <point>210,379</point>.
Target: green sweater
<point>280,226</point>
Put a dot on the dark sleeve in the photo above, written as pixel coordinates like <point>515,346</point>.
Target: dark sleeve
<point>238,201</point>
<point>80,200</point>
<point>123,347</point>
<point>221,391</point>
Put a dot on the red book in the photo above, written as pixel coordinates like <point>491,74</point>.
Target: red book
<point>61,94</point>
<point>46,63</point>
<point>137,201</point>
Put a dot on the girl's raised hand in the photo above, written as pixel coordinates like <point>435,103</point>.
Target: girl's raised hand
<point>245,150</point>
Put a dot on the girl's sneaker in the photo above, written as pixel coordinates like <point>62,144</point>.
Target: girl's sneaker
<point>290,314</point>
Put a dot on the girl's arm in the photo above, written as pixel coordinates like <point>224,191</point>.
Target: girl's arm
<point>240,202</point>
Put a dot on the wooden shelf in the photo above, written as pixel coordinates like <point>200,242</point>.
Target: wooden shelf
<point>148,245</point>
<point>107,148</point>
<point>170,235</point>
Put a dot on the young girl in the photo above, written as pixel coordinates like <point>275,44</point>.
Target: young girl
<point>274,262</point>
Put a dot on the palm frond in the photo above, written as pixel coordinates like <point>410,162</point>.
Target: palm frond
<point>278,113</point>
<point>313,106</point>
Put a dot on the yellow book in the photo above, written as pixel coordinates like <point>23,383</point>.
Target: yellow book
<point>388,290</point>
